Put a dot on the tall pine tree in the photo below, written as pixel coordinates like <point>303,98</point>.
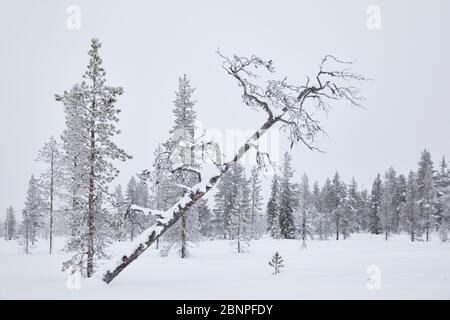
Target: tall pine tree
<point>94,129</point>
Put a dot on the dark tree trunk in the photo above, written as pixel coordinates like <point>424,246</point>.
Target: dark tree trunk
<point>337,227</point>
<point>183,237</point>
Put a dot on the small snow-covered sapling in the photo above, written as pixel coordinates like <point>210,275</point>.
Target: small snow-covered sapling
<point>276,263</point>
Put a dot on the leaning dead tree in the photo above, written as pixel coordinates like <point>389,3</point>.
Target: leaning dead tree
<point>292,107</point>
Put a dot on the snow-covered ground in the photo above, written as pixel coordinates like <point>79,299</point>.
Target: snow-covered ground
<point>325,270</point>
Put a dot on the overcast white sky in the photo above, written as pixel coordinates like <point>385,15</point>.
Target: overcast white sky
<point>148,44</point>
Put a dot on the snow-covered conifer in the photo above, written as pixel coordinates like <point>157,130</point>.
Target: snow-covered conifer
<point>33,216</point>
<point>305,210</point>
<point>356,206</point>
<point>287,199</point>
<point>226,198</point>
<point>399,199</point>
<point>427,193</point>
<point>442,182</point>
<point>89,144</point>
<point>136,193</point>
<point>177,164</point>
<point>204,218</point>
<point>10,224</point>
<point>51,180</point>
<point>256,219</point>
<point>375,206</point>
<point>411,210</point>
<point>240,217</point>
<point>319,217</point>
<point>276,263</point>
<point>120,205</point>
<point>273,209</point>
<point>339,210</point>
<point>388,206</point>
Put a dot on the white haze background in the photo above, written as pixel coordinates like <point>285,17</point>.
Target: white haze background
<point>147,45</point>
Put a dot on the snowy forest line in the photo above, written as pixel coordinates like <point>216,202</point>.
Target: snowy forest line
<point>73,197</point>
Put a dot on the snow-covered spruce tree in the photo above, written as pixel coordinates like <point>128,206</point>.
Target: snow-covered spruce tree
<point>74,160</point>
<point>346,215</point>
<point>399,199</point>
<point>51,180</point>
<point>204,218</point>
<point>178,152</point>
<point>276,263</point>
<point>256,219</point>
<point>339,210</point>
<point>315,195</point>
<point>130,192</point>
<point>162,192</point>
<point>273,209</point>
<point>93,153</point>
<point>305,211</point>
<point>365,210</point>
<point>305,227</point>
<point>25,232</point>
<point>222,207</point>
<point>356,206</point>
<point>387,201</point>
<point>121,206</point>
<point>33,216</point>
<point>375,206</point>
<point>286,104</point>
<point>324,225</point>
<point>319,217</point>
<point>240,217</point>
<point>10,224</point>
<point>142,194</point>
<point>287,200</point>
<point>442,182</point>
<point>411,210</point>
<point>226,198</point>
<point>136,194</point>
<point>427,193</point>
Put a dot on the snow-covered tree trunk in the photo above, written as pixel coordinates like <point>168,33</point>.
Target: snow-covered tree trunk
<point>152,234</point>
